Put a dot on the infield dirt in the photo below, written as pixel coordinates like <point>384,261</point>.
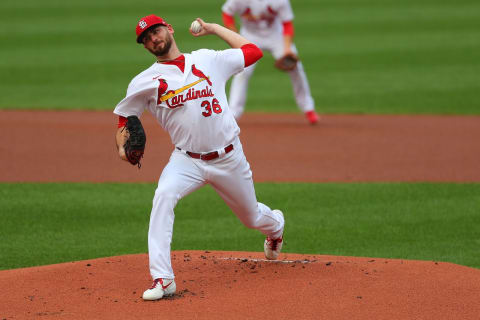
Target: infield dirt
<point>241,285</point>
<point>79,146</point>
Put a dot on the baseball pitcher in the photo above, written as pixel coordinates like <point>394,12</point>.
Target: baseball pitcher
<point>268,24</point>
<point>185,92</point>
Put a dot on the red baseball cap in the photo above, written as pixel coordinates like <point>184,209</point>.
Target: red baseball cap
<point>147,22</point>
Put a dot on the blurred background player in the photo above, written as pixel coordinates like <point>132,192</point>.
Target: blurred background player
<point>268,24</point>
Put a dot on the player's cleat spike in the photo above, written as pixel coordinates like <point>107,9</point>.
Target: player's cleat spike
<point>159,289</point>
<point>272,247</point>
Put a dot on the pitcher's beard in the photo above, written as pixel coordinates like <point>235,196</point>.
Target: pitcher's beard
<point>163,51</point>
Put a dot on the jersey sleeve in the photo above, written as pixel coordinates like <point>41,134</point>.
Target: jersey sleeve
<point>134,102</point>
<point>251,54</point>
<point>288,29</point>
<point>228,20</point>
<point>232,7</point>
<point>122,121</point>
<point>285,12</point>
<point>230,61</point>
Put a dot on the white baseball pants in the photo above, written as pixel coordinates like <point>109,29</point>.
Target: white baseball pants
<point>239,86</point>
<point>229,175</point>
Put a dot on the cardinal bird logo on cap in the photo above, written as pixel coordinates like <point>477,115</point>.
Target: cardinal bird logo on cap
<point>142,24</point>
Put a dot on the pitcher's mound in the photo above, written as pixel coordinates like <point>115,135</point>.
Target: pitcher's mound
<point>242,285</point>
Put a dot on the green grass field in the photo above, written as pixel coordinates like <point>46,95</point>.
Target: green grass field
<point>51,223</point>
<point>365,56</point>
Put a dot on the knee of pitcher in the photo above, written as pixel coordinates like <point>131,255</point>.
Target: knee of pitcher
<point>251,224</point>
<point>162,195</point>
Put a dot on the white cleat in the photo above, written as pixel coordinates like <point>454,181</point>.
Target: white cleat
<point>159,289</point>
<point>272,247</point>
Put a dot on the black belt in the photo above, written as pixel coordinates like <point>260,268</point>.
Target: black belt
<point>208,156</point>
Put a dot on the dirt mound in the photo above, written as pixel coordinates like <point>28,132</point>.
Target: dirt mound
<point>241,285</point>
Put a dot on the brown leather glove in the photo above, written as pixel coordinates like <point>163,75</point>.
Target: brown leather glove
<point>135,144</point>
<point>287,63</point>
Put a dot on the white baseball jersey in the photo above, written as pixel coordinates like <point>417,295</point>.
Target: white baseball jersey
<point>260,17</point>
<point>190,105</point>
<point>262,23</point>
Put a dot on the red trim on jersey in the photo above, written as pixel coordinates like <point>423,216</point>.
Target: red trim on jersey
<point>179,62</point>
<point>228,20</point>
<point>251,53</point>
<point>288,28</point>
<point>122,121</point>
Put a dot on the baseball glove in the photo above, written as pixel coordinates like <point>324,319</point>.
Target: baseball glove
<point>287,63</point>
<point>135,144</point>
